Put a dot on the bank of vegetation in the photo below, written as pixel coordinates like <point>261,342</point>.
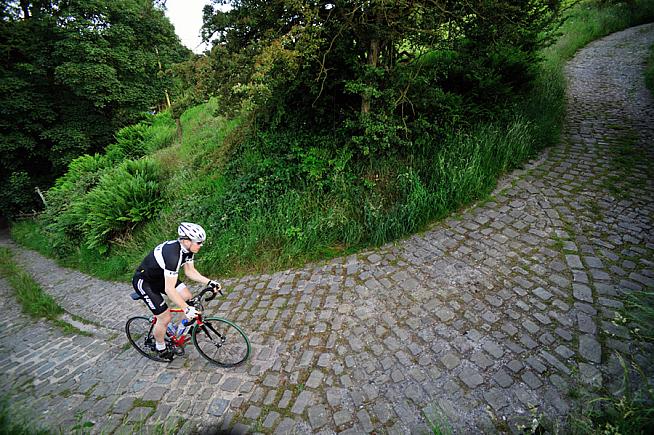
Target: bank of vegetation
<point>303,142</point>
<point>649,71</point>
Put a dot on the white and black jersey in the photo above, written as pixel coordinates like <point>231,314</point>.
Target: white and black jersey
<point>164,261</point>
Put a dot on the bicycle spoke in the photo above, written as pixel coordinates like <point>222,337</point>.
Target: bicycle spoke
<point>139,334</point>
<point>221,342</point>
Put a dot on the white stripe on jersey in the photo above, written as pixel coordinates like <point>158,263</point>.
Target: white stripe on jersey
<point>158,255</point>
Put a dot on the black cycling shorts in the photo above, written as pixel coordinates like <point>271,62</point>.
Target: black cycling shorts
<point>152,293</point>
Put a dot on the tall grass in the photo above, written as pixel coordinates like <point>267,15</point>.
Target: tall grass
<point>16,424</point>
<point>639,312</point>
<point>629,411</point>
<point>649,71</point>
<point>29,294</point>
<point>307,224</point>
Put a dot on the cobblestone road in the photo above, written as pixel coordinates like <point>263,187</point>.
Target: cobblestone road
<point>480,318</point>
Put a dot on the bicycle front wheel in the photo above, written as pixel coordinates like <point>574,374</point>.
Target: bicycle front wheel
<point>221,342</point>
<point>139,333</point>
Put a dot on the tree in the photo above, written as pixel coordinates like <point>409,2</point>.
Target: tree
<point>72,73</point>
<point>371,61</point>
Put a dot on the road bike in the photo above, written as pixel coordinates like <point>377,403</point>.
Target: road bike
<point>218,340</point>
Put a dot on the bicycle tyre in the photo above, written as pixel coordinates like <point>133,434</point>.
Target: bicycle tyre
<point>139,333</point>
<point>221,342</point>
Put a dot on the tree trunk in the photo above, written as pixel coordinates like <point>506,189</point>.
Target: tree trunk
<point>373,60</point>
<point>25,6</point>
<point>156,50</point>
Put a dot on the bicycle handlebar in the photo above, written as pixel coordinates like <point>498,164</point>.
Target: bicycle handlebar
<point>199,297</point>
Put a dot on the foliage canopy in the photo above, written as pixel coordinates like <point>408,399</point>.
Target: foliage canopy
<point>72,73</point>
<point>389,74</point>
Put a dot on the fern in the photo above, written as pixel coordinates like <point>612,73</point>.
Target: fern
<point>124,198</point>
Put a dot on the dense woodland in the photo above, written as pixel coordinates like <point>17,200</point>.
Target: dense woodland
<point>73,73</point>
<point>310,129</point>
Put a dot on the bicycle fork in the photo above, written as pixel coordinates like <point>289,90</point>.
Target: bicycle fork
<point>221,338</point>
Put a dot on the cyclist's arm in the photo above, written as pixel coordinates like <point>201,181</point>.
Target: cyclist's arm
<point>177,299</point>
<point>191,272</point>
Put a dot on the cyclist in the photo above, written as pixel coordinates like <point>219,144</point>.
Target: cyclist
<point>157,274</point>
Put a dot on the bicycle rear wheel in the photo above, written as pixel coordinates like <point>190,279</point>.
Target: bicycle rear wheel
<point>221,342</point>
<point>139,333</point>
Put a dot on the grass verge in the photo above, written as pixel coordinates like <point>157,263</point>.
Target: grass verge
<point>118,266</point>
<point>34,301</point>
<point>16,424</point>
<point>649,71</point>
<point>628,411</point>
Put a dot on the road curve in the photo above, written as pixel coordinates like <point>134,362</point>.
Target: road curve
<point>476,324</point>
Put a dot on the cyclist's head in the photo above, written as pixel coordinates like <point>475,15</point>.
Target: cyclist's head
<point>192,232</point>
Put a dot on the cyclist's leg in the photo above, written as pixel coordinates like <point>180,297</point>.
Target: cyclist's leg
<point>155,302</point>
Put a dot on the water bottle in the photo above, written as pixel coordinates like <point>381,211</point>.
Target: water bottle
<point>183,326</point>
<point>172,328</point>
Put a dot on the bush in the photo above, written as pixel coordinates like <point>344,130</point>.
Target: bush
<point>131,143</point>
<point>74,212</point>
<point>17,195</point>
<point>64,215</point>
<point>138,140</point>
<point>94,207</point>
<point>124,198</point>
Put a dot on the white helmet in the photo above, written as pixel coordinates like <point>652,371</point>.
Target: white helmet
<point>192,232</point>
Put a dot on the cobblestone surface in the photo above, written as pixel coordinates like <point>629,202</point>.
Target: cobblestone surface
<point>479,319</point>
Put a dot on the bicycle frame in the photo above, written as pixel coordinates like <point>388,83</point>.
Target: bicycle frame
<point>206,336</point>
<point>183,339</point>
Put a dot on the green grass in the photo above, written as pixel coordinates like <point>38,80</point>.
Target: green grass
<point>168,427</point>
<point>437,421</point>
<point>628,411</point>
<point>638,315</point>
<point>138,402</point>
<point>12,423</point>
<point>33,300</point>
<point>649,70</point>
